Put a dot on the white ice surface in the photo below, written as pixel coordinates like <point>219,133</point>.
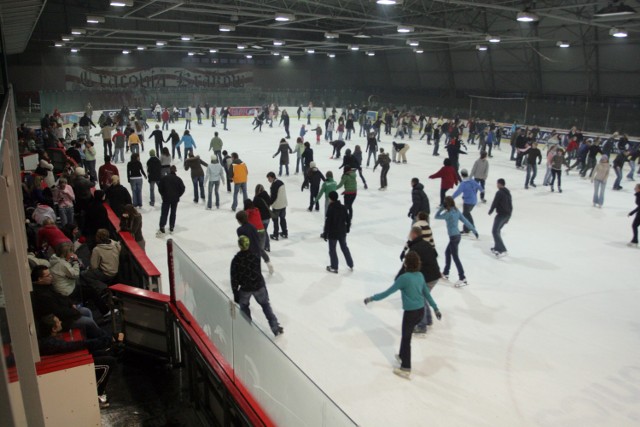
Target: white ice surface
<point>548,336</point>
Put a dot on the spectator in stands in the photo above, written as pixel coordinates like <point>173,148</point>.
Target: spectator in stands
<point>90,160</point>
<point>197,175</point>
<point>65,269</point>
<point>50,235</point>
<point>154,173</point>
<point>74,152</point>
<point>171,188</point>
<point>135,172</point>
<point>131,221</point>
<point>45,169</point>
<point>42,212</point>
<point>105,261</point>
<point>247,281</point>
<point>51,342</point>
<point>105,173</point>
<point>119,139</point>
<point>82,189</point>
<point>118,195</point>
<point>46,301</point>
<point>65,197</point>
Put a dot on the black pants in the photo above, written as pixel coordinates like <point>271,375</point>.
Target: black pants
<point>466,212</point>
<point>409,321</point>
<point>164,211</point>
<point>634,227</point>
<point>104,365</point>
<point>108,147</point>
<point>313,194</point>
<point>175,148</point>
<point>348,203</point>
<point>481,182</point>
<point>158,148</point>
<point>556,173</point>
<point>280,222</point>
<point>383,176</point>
<point>443,194</point>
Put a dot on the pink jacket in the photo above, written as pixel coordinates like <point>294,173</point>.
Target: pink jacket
<point>64,198</point>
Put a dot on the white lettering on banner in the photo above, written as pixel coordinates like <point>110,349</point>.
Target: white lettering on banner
<point>78,78</point>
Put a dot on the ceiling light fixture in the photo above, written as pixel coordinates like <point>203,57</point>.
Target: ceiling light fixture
<point>329,35</point>
<point>354,47</point>
<point>227,28</point>
<point>121,3</point>
<point>249,56</point>
<point>310,50</point>
<point>527,16</point>
<point>284,17</point>
<point>161,43</point>
<point>191,53</point>
<point>481,47</point>
<point>213,50</point>
<point>95,19</point>
<point>185,38</point>
<point>278,42</point>
<point>242,46</point>
<point>59,44</point>
<point>126,52</point>
<point>75,50</point>
<point>331,55</point>
<point>371,53</point>
<point>361,35</point>
<point>141,47</point>
<point>418,50</point>
<point>257,47</point>
<point>493,39</point>
<point>405,29</point>
<point>389,2</point>
<point>563,44</point>
<point>413,43</point>
<point>67,38</point>
<point>78,31</point>
<point>618,32</point>
<point>285,57</point>
<point>614,10</point>
<point>275,53</point>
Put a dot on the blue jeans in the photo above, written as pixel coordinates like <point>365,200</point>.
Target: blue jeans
<point>86,323</point>
<point>333,255</point>
<point>236,189</point>
<point>286,168</point>
<point>134,148</point>
<point>598,192</point>
<point>136,191</point>
<point>262,298</point>
<point>616,184</point>
<point>267,241</point>
<point>632,164</point>
<point>212,185</point>
<point>532,171</point>
<point>66,215</point>
<point>152,195</point>
<point>452,251</point>
<point>198,183</point>
<point>298,163</point>
<point>499,222</point>
<point>118,151</point>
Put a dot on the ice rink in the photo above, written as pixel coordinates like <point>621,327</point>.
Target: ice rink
<point>547,336</point>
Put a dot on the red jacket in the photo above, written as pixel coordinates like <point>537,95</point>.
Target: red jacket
<point>51,235</point>
<point>105,173</point>
<point>165,116</point>
<point>449,177</point>
<point>255,219</point>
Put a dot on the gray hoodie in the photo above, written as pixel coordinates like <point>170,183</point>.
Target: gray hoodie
<point>65,274</point>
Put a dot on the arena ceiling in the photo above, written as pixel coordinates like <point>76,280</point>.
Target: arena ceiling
<point>299,27</point>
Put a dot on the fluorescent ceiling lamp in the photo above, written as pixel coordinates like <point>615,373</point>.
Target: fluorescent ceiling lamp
<point>191,53</point>
<point>618,32</point>
<point>161,43</point>
<point>242,46</point>
<point>527,16</point>
<point>389,2</point>
<point>481,47</point>
<point>67,38</point>
<point>95,19</point>
<point>74,50</point>
<point>227,28</point>
<point>493,39</point>
<point>213,50</point>
<point>371,54</point>
<point>331,55</point>
<point>329,35</point>
<point>405,29</point>
<point>255,46</point>
<point>59,44</point>
<point>121,3</point>
<point>275,53</point>
<point>418,51</point>
<point>185,38</point>
<point>78,31</point>
<point>310,50</point>
<point>362,35</point>
<point>413,43</point>
<point>285,57</point>
<point>141,47</point>
<point>284,17</point>
<point>126,52</point>
<point>614,10</point>
<point>278,43</point>
<point>562,43</point>
<point>249,56</point>
<point>354,47</point>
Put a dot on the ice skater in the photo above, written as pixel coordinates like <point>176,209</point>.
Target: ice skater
<point>385,163</point>
<point>283,150</point>
<point>414,291</point>
<point>503,206</point>
<point>448,177</point>
<point>337,225</point>
<point>480,172</point>
<point>452,216</point>
<point>327,187</point>
<point>636,220</point>
<point>350,184</point>
<point>599,178</point>
<point>312,180</point>
<point>419,200</point>
<point>469,189</point>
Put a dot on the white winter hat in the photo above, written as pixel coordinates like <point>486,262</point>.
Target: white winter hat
<point>312,165</point>
<point>80,171</point>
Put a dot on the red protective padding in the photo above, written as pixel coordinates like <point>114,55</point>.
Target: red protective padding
<point>140,256</point>
<point>113,218</point>
<point>130,290</point>
<point>217,362</point>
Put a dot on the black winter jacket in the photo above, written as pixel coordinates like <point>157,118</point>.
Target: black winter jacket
<point>154,169</point>
<point>337,223</point>
<point>246,275</point>
<point>118,196</point>
<point>313,177</point>
<point>502,203</point>
<point>428,257</point>
<point>47,301</point>
<point>420,201</point>
<point>171,188</point>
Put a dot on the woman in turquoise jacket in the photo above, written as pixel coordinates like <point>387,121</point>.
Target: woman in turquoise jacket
<point>189,144</point>
<point>452,216</point>
<point>414,291</point>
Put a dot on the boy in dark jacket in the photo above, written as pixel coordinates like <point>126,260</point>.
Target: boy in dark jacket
<point>154,173</point>
<point>503,206</point>
<point>197,175</point>
<point>171,188</point>
<point>247,281</point>
<point>419,199</point>
<point>337,225</point>
<point>312,180</point>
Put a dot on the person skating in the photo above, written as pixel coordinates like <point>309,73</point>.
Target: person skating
<point>312,180</point>
<point>328,186</point>
<point>175,144</point>
<point>337,145</point>
<point>385,163</point>
<point>452,216</point>
<point>337,225</point>
<point>423,222</point>
<point>469,189</point>
<point>449,178</point>
<point>252,227</point>
<point>299,149</point>
<point>247,281</point>
<point>350,184</point>
<point>533,160</point>
<point>154,173</point>
<point>414,291</point>
<point>285,119</point>
<point>503,206</point>
<point>429,268</point>
<point>189,143</point>
<point>636,221</point>
<point>279,205</point>
<point>556,169</point>
<point>171,188</point>
<point>239,175</point>
<point>591,162</point>
<point>135,172</point>
<point>357,164</point>
<point>307,157</point>
<point>480,172</point>
<point>618,165</point>
<point>227,164</point>
<point>599,178</point>
<point>216,146</point>
<point>283,150</point>
<point>419,200</point>
<point>215,174</point>
<point>158,138</point>
<point>197,175</point>
<point>454,151</point>
<point>372,148</point>
<point>399,152</point>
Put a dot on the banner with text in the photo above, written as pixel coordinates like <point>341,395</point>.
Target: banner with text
<point>118,78</point>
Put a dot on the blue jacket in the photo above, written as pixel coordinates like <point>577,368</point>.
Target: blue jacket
<point>188,142</point>
<point>469,189</point>
<point>414,291</point>
<point>452,217</point>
